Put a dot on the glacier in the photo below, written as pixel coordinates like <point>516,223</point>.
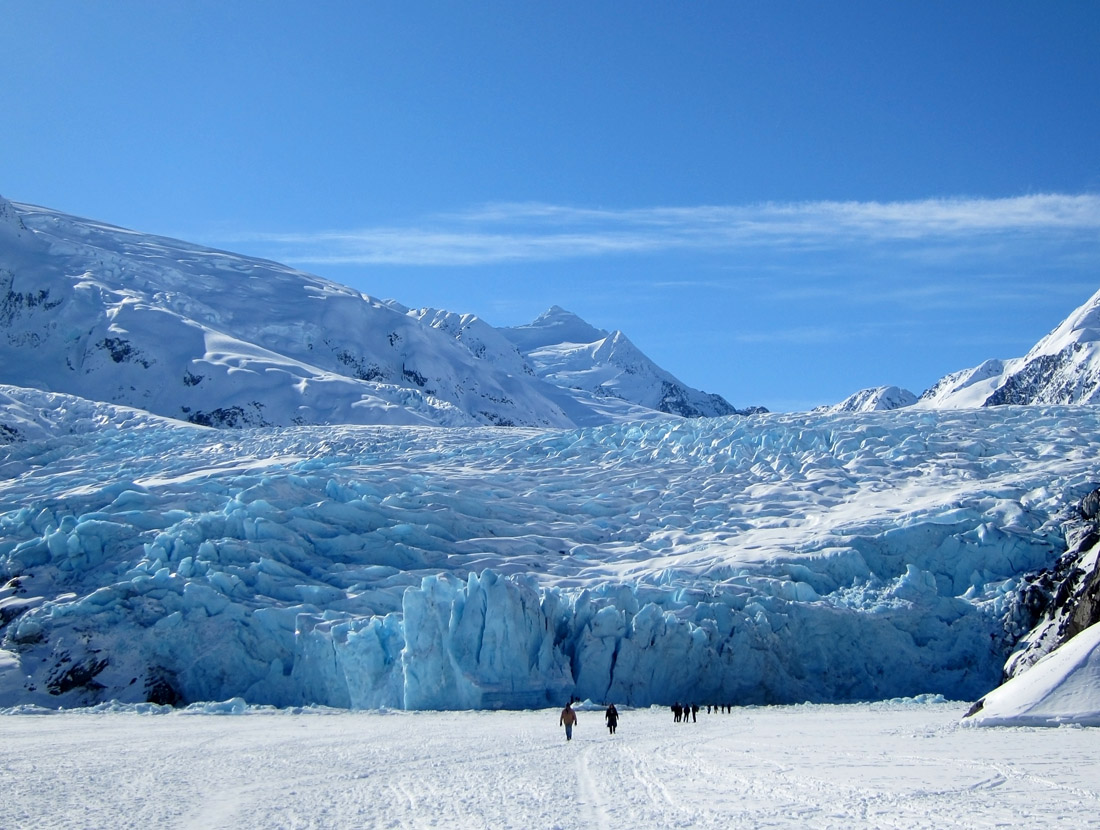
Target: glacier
<point>822,557</point>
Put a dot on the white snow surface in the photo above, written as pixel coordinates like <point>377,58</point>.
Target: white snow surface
<point>1063,687</point>
<point>897,764</point>
<point>768,559</point>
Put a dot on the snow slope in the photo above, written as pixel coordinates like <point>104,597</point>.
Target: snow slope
<point>1063,687</point>
<point>904,764</point>
<point>749,560</point>
<point>225,340</point>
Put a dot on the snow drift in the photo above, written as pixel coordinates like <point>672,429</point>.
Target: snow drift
<point>1062,688</point>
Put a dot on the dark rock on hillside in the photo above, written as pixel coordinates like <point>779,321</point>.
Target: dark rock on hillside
<point>1057,603</point>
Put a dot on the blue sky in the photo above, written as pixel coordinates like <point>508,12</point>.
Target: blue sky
<point>782,202</point>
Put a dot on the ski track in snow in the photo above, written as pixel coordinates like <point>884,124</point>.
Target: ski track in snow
<point>851,766</point>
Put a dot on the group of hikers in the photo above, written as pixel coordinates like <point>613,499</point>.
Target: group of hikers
<point>680,714</point>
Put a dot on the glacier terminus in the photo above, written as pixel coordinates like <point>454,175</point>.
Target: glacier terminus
<point>762,559</point>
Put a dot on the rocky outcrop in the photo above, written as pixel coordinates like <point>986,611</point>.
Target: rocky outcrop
<point>1057,603</point>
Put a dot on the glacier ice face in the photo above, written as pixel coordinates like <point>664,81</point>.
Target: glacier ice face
<point>764,559</point>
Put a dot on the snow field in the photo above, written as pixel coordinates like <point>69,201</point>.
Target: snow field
<point>892,765</point>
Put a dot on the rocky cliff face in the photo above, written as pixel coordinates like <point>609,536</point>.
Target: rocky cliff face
<point>1060,602</point>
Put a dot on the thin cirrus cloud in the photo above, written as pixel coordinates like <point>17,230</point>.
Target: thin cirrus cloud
<point>529,232</point>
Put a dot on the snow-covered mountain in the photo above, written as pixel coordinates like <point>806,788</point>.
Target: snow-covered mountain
<point>599,547</point>
<point>601,365</point>
<point>225,340</point>
<point>879,399</point>
<point>769,558</point>
<point>1062,368</point>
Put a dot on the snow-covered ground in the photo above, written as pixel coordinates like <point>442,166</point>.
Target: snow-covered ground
<point>1063,687</point>
<point>901,764</point>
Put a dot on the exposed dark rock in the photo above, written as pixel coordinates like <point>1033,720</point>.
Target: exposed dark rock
<point>1054,605</point>
<point>1086,606</point>
<point>79,675</point>
<point>12,303</point>
<point>1090,506</point>
<point>977,707</point>
<point>674,400</point>
<point>160,689</point>
<point>362,369</point>
<point>414,376</point>
<point>123,351</point>
<point>232,417</point>
<point>1020,387</point>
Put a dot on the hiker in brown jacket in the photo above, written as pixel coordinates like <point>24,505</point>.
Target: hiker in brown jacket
<point>567,719</point>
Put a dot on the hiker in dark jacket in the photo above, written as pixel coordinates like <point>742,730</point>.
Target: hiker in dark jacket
<point>612,717</point>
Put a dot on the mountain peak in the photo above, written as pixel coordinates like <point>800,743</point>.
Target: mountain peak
<point>9,217</point>
<point>571,353</point>
<point>876,399</point>
<point>1082,326</point>
<point>569,326</point>
<point>554,327</point>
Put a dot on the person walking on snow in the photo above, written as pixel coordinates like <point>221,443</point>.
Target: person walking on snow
<point>612,716</point>
<point>567,719</point>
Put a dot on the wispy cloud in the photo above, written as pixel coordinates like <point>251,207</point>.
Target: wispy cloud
<point>530,232</point>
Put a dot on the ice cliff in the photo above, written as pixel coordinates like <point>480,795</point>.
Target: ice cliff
<point>772,558</point>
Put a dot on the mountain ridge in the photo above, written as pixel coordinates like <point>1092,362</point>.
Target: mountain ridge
<point>1061,369</point>
<point>221,339</point>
